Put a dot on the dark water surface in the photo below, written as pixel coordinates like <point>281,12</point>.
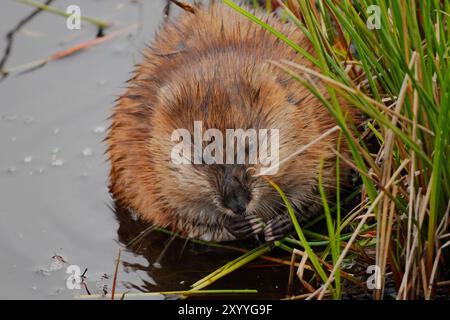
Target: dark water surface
<point>55,209</point>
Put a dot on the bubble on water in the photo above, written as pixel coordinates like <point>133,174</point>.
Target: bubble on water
<point>55,150</point>
<point>58,291</point>
<point>11,170</point>
<point>56,131</point>
<point>34,288</point>
<point>29,120</point>
<point>57,162</point>
<point>28,159</point>
<point>84,174</point>
<point>99,129</point>
<point>87,152</point>
<point>9,117</point>
<point>44,272</point>
<point>40,170</point>
<point>13,139</point>
<point>102,82</point>
<point>31,173</point>
<point>119,49</point>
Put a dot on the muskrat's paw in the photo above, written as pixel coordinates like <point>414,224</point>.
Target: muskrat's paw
<point>277,228</point>
<point>244,227</point>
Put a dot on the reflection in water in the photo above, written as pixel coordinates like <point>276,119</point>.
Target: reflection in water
<point>171,263</point>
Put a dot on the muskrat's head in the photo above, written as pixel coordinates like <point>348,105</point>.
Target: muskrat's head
<point>200,173</point>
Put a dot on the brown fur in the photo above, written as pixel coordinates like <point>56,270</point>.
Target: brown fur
<point>212,66</point>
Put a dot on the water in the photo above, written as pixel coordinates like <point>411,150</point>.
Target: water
<point>55,209</point>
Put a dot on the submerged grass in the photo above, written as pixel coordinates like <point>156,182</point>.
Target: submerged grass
<point>185,293</point>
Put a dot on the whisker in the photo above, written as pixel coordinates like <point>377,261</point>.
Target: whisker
<point>296,153</point>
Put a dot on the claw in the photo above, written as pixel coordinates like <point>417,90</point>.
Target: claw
<point>277,228</point>
<point>243,227</point>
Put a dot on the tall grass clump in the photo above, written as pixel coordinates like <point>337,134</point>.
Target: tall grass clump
<point>390,60</point>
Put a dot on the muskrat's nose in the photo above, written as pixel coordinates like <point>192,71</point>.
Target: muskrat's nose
<point>236,197</point>
<point>236,202</point>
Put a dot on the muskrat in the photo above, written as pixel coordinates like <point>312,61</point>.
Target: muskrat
<point>214,66</point>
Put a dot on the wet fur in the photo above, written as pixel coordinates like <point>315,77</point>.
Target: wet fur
<point>213,66</point>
